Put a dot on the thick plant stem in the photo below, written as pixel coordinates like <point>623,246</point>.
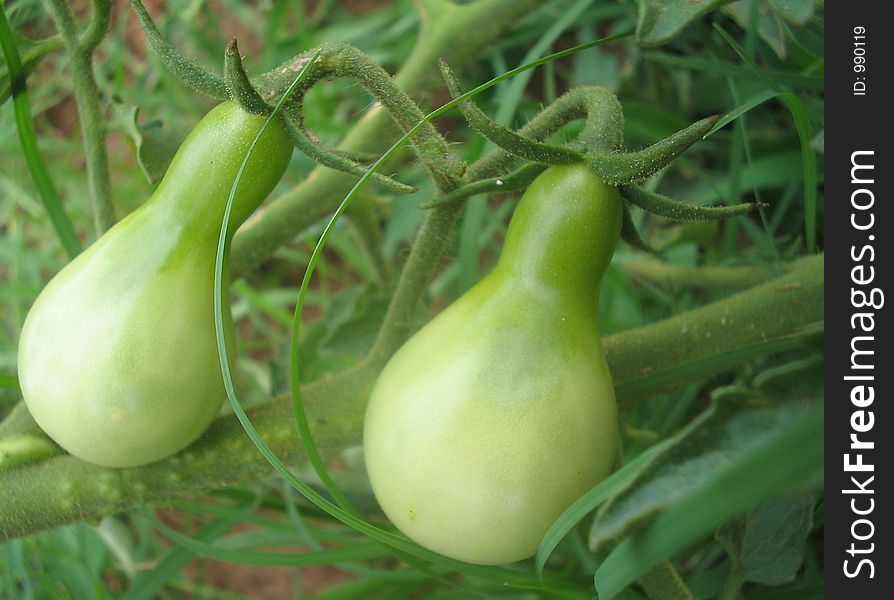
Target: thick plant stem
<point>705,277</point>
<point>456,33</point>
<point>100,22</point>
<point>664,583</point>
<point>89,104</point>
<point>63,489</point>
<point>418,271</point>
<point>706,339</point>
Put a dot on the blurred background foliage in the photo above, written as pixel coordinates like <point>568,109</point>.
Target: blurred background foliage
<point>681,67</point>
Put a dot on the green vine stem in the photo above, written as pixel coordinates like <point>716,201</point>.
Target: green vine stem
<point>455,32</point>
<point>512,182</point>
<point>627,167</point>
<point>600,107</point>
<point>680,212</point>
<point>180,67</point>
<point>505,138</point>
<point>63,489</point>
<point>339,162</point>
<point>708,339</point>
<point>425,254</point>
<point>733,584</point>
<point>80,52</point>
<point>664,583</point>
<point>705,277</point>
<point>333,60</point>
<point>49,197</point>
<point>346,61</point>
<point>98,27</point>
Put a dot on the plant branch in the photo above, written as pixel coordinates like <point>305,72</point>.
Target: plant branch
<point>98,27</point>
<point>680,212</point>
<point>63,489</point>
<point>456,33</point>
<point>80,53</point>
<point>182,68</point>
<point>664,583</point>
<point>705,277</point>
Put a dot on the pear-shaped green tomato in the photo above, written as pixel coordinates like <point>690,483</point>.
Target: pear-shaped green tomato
<point>118,361</point>
<point>498,414</point>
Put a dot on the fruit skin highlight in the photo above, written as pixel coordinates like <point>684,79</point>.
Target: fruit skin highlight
<point>118,358</point>
<point>499,413</point>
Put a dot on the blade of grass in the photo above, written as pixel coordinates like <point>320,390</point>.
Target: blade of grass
<point>147,584</point>
<point>331,556</point>
<point>49,196</point>
<point>805,134</point>
<point>586,504</point>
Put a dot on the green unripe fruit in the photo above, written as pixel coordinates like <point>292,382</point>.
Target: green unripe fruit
<point>498,414</point>
<point>118,358</point>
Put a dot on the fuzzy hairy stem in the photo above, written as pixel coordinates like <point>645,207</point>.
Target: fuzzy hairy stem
<point>705,277</point>
<point>238,85</point>
<point>428,247</point>
<point>602,127</point>
<point>346,61</point>
<point>456,33</point>
<point>80,51</point>
<point>63,489</point>
<point>774,311</point>
<point>179,66</point>
<point>664,583</point>
<point>98,27</point>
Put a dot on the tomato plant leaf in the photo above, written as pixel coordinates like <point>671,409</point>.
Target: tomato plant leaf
<point>751,445</point>
<point>155,144</point>
<point>796,12</point>
<point>768,545</point>
<point>661,20</point>
<point>717,438</point>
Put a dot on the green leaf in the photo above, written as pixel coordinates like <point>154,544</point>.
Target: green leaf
<point>727,463</point>
<point>765,23</point>
<point>769,22</point>
<point>661,20</point>
<point>768,546</point>
<point>155,144</point>
<point>796,12</point>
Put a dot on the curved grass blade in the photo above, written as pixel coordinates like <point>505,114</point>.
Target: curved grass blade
<point>49,196</point>
<point>367,551</point>
<point>586,504</point>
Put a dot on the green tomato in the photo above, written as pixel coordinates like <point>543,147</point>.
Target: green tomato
<point>497,415</point>
<point>118,358</point>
